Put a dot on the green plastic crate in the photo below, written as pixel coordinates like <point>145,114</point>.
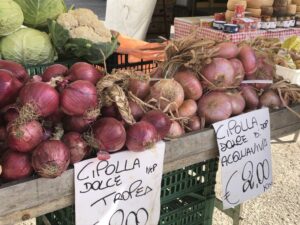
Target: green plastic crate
<point>187,197</point>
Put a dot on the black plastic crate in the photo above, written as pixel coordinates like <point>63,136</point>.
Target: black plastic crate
<point>115,61</point>
<point>187,197</point>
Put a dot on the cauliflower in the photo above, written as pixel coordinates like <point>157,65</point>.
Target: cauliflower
<point>82,34</point>
<point>83,23</point>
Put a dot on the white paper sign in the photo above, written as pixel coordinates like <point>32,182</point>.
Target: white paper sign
<point>245,156</point>
<point>125,190</point>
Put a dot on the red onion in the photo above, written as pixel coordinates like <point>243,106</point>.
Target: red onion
<point>176,130</point>
<point>36,78</point>
<point>248,58</point>
<point>84,71</point>
<point>25,137</point>
<point>239,71</point>
<point>77,146</point>
<point>51,158</point>
<point>195,123</point>
<point>270,99</point>
<point>265,71</point>
<point>56,117</point>
<point>77,123</point>
<point>250,96</point>
<point>227,50</point>
<point>139,88</point>
<point>188,108</point>
<point>3,133</point>
<point>103,155</point>
<point>219,73</point>
<point>214,107</point>
<point>140,136</point>
<point>11,112</point>
<point>54,70</point>
<point>44,97</point>
<point>157,73</point>
<point>190,83</point>
<point>79,97</point>
<point>109,134</point>
<point>238,103</point>
<point>159,120</point>
<point>136,111</point>
<point>16,69</point>
<point>168,93</point>
<point>9,87</point>
<point>111,111</point>
<point>15,165</point>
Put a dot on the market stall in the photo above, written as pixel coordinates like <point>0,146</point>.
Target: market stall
<point>81,94</point>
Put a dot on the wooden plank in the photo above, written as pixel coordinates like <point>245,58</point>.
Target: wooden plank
<point>36,197</point>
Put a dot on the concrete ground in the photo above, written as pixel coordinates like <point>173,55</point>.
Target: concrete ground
<point>280,205</point>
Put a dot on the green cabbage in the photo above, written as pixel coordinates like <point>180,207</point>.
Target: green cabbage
<point>36,12</point>
<point>11,17</point>
<point>28,47</point>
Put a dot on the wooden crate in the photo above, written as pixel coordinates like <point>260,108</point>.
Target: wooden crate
<point>35,197</point>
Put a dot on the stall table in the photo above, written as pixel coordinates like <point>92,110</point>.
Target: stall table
<point>34,197</point>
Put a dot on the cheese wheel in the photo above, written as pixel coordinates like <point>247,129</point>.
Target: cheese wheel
<point>254,12</point>
<point>231,4</point>
<point>254,4</point>
<point>280,11</point>
<point>298,9</point>
<point>228,15</point>
<point>267,3</point>
<point>297,2</point>
<point>267,11</point>
<point>291,9</point>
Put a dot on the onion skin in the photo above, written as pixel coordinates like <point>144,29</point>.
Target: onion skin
<point>9,87</point>
<point>77,146</point>
<point>15,165</point>
<point>25,137</point>
<point>157,73</point>
<point>139,88</point>
<point>141,136</point>
<point>44,97</point>
<point>250,96</point>
<point>79,97</point>
<point>188,108</point>
<point>136,111</point>
<point>54,70</point>
<point>168,89</point>
<point>195,123</point>
<point>214,107</point>
<point>176,130</point>
<point>51,158</point>
<point>239,71</point>
<point>109,134</point>
<point>270,99</point>
<point>248,58</point>
<point>190,84</point>
<point>84,71</point>
<point>219,73</point>
<point>238,102</point>
<point>77,123</point>
<point>160,121</point>
<point>16,69</point>
<point>227,50</point>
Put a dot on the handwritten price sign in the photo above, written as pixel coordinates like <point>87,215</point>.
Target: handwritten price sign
<point>245,156</point>
<point>125,190</point>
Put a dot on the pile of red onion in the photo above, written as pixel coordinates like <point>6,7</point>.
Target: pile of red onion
<point>32,110</point>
